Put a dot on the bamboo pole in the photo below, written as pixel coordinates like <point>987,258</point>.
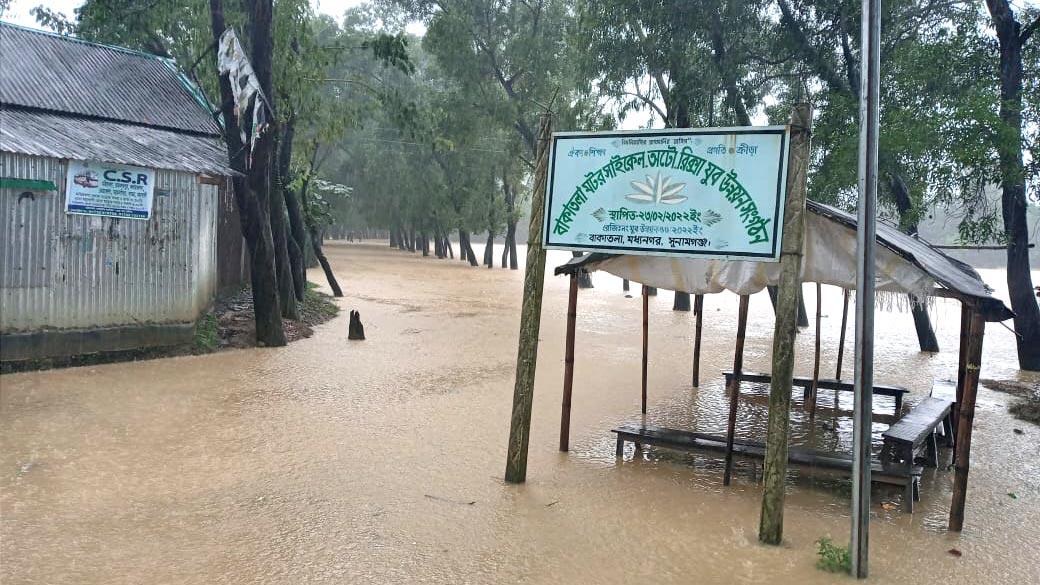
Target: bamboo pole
<point>568,365</point>
<point>698,311</point>
<point>646,338</point>
<point>771,523</point>
<point>530,317</point>
<point>965,420</point>
<point>841,337</point>
<point>816,357</point>
<point>734,386</point>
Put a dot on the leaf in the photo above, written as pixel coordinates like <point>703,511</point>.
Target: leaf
<point>1013,495</point>
<point>955,552</point>
<point>644,187</point>
<point>888,506</point>
<point>639,197</point>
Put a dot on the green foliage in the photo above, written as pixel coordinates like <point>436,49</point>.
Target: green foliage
<point>207,334</point>
<point>832,558</point>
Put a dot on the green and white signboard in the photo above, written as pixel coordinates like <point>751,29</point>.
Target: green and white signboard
<point>715,193</point>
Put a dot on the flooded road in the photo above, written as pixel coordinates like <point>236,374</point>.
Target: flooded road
<point>381,461</point>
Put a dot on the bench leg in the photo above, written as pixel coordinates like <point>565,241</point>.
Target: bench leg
<point>908,498</point>
<point>932,449</point>
<point>899,403</point>
<point>947,426</point>
<point>620,452</point>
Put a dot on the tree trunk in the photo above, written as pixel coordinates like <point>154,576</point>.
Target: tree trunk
<point>438,244</point>
<point>681,302</point>
<point>325,266</point>
<point>297,231</point>
<point>908,223</point>
<point>489,251</point>
<point>394,243</point>
<point>466,250</point>
<point>276,199</point>
<point>252,205</point>
<point>511,246</point>
<point>425,244</point>
<point>1013,183</point>
<point>448,247</point>
<point>803,316</point>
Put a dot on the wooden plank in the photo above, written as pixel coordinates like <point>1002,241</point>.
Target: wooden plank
<point>920,422</point>
<point>825,383</point>
<point>693,441</point>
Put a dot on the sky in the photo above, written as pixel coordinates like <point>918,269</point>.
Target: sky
<point>18,12</point>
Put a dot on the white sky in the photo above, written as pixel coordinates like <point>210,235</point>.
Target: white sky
<point>18,13</point>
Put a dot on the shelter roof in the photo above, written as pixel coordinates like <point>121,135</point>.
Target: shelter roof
<point>905,264</point>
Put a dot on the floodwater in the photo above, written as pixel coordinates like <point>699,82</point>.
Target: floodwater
<point>381,461</point>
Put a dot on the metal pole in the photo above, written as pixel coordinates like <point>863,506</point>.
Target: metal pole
<point>865,238</point>
<point>646,338</point>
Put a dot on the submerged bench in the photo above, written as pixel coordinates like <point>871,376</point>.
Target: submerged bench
<point>896,392</point>
<point>916,431</point>
<point>642,434</point>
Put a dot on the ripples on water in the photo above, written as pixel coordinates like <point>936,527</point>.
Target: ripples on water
<point>330,461</point>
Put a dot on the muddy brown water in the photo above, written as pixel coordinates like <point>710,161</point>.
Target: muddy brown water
<point>381,461</point>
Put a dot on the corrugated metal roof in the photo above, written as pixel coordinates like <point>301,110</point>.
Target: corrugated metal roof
<point>51,72</point>
<point>60,136</point>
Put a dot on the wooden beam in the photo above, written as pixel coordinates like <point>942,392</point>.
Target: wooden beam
<point>568,364</point>
<point>841,337</point>
<point>816,356</point>
<point>646,337</point>
<point>734,386</point>
<point>698,311</point>
<point>771,522</point>
<point>966,404</point>
<point>530,317</point>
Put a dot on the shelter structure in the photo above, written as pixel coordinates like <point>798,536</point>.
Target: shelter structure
<point>905,265</point>
<point>80,279</point>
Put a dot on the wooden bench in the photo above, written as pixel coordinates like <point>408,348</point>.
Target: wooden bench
<point>916,431</point>
<point>896,392</point>
<point>947,390</point>
<point>641,434</point>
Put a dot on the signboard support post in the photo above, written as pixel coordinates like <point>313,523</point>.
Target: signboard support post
<point>863,380</point>
<point>530,317</point>
<point>771,524</point>
<point>568,364</point>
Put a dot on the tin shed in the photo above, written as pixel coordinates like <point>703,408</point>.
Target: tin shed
<point>87,263</point>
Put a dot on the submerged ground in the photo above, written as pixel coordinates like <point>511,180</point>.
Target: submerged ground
<point>381,461</point>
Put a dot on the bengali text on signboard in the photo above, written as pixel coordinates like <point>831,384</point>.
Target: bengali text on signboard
<point>110,190</point>
<point>714,193</point>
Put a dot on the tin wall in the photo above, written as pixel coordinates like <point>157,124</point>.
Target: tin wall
<point>60,271</point>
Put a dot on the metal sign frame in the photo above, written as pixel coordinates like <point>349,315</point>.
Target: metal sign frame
<point>775,232</point>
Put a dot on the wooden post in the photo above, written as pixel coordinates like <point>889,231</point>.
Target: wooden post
<point>965,419</point>
<point>646,336</point>
<point>568,365</point>
<point>734,386</point>
<point>771,523</point>
<point>624,285</point>
<point>816,357</point>
<point>841,337</point>
<point>530,317</point>
<point>962,363</point>
<point>698,311</point>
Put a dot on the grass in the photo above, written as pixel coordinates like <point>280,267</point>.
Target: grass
<point>316,307</point>
<point>833,558</point>
<point>207,334</point>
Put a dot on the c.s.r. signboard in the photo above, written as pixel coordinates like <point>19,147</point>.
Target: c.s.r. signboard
<point>715,192</point>
<point>110,190</point>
